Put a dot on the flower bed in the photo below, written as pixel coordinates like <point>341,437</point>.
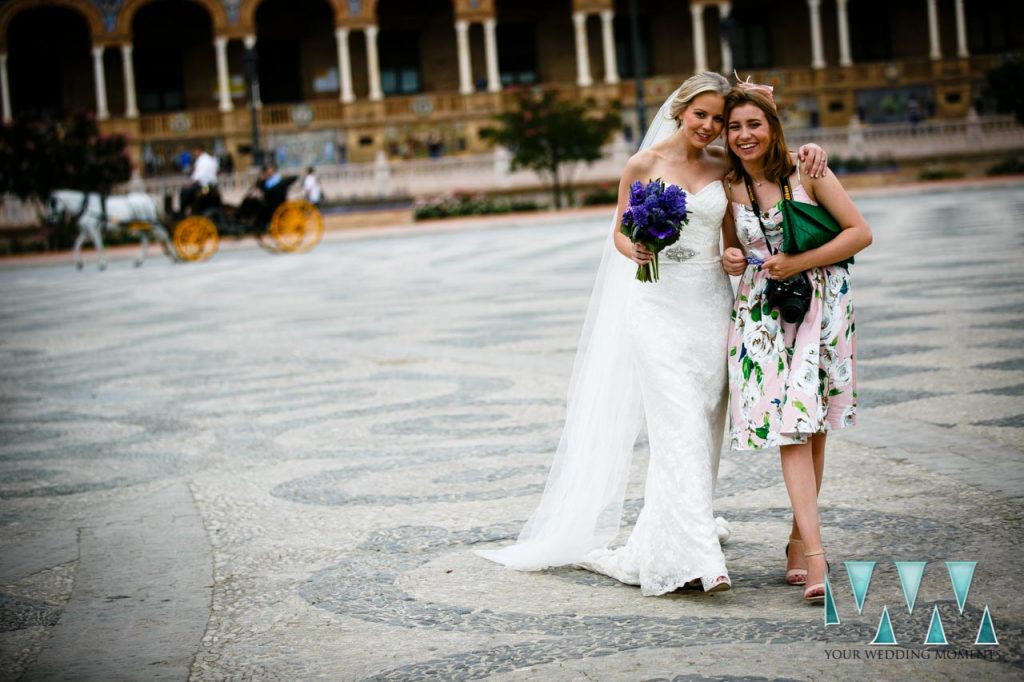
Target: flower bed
<point>454,204</point>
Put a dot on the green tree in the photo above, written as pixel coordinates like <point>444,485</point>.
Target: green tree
<point>1005,84</point>
<point>551,137</point>
<point>40,156</point>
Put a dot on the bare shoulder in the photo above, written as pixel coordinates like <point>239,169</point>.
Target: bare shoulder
<point>639,165</point>
<point>734,186</point>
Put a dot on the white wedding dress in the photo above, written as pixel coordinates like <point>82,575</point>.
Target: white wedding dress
<point>646,349</point>
<point>678,327</point>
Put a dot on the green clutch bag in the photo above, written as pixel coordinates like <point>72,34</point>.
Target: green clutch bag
<point>805,226</point>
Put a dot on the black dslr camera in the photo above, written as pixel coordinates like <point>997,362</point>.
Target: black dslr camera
<point>792,296</point>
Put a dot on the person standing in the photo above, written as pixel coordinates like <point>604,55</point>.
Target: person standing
<point>654,352</point>
<point>311,188</point>
<point>790,382</point>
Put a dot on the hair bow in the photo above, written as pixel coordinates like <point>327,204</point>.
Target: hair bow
<point>765,90</point>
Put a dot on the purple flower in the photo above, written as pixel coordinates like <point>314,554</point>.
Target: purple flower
<point>636,193</point>
<point>640,216</point>
<point>654,218</point>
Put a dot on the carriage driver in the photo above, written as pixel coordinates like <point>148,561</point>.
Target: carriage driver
<point>204,176</point>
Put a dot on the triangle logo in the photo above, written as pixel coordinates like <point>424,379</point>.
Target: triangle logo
<point>936,633</point>
<point>884,636</point>
<point>859,573</point>
<point>986,631</point>
<point>911,573</point>
<point>961,573</point>
<point>831,613</point>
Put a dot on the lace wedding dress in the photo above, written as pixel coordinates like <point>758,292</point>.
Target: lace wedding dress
<point>678,327</point>
<point>654,349</point>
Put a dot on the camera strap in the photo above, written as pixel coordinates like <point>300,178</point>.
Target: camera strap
<point>757,209</point>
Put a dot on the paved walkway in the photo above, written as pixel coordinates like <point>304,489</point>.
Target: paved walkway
<point>271,467</point>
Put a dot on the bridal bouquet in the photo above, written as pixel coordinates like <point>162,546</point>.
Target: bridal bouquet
<point>655,218</point>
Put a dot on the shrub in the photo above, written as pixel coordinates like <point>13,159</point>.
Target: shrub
<point>454,204</point>
<point>939,173</point>
<point>606,193</point>
<point>1011,166</point>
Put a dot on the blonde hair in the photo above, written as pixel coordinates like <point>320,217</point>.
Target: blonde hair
<point>698,84</point>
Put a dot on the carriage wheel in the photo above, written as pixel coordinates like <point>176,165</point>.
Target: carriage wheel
<point>196,238</point>
<point>296,226</point>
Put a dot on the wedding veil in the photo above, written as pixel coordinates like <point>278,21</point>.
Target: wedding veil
<point>581,507</point>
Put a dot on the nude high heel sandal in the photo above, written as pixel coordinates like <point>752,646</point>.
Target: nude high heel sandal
<point>815,594</point>
<point>795,576</point>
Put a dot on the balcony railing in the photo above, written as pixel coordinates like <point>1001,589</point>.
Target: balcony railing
<point>488,172</point>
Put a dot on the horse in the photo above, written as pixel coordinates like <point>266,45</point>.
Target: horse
<point>93,215</point>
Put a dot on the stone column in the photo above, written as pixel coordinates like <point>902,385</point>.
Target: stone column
<point>250,44</point>
<point>961,30</point>
<point>700,52</point>
<point>373,63</point>
<point>344,67</point>
<point>724,8</point>
<point>611,66</point>
<point>583,78</point>
<point>935,51</point>
<point>102,113</point>
<point>5,91</point>
<point>844,34</point>
<point>223,88</point>
<point>131,107</point>
<point>817,49</point>
<point>491,48</point>
<point>462,42</point>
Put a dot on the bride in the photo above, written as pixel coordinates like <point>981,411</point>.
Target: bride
<point>654,350</point>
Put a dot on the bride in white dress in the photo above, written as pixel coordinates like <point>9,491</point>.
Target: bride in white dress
<point>654,350</point>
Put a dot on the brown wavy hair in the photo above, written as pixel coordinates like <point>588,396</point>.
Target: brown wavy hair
<point>777,163</point>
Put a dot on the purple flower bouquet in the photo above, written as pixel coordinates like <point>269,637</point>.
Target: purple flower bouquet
<point>655,218</point>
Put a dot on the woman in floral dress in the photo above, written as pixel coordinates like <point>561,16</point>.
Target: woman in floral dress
<point>789,382</point>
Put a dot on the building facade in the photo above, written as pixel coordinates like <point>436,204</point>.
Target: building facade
<point>343,80</point>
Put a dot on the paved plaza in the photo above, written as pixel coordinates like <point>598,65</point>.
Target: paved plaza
<point>277,467</point>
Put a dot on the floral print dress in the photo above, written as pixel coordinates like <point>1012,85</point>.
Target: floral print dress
<point>788,381</point>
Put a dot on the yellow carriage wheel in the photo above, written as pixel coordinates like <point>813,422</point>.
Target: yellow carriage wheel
<point>196,238</point>
<point>296,226</point>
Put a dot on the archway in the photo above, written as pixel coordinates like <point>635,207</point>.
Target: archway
<point>535,41</point>
<point>298,56</point>
<point>50,63</point>
<point>417,46</point>
<point>173,54</point>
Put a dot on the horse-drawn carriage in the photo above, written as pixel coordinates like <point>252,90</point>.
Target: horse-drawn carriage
<point>280,225</point>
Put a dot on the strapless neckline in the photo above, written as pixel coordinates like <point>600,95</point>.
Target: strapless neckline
<point>693,194</point>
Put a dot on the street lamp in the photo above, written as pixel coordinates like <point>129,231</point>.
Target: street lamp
<point>638,79</point>
<point>253,78</point>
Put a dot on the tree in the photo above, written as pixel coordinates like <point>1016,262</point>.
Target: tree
<point>552,136</point>
<point>40,156</point>
<point>1005,84</point>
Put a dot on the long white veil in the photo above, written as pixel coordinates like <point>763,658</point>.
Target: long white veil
<point>581,508</point>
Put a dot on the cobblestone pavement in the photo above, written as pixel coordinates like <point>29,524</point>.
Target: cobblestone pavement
<point>277,467</point>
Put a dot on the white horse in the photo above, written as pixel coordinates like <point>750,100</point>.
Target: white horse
<point>121,211</point>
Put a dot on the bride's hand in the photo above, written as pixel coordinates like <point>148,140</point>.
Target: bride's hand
<point>813,160</point>
<point>733,261</point>
<point>640,254</point>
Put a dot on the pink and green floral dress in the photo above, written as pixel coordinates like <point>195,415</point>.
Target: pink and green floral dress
<point>788,381</point>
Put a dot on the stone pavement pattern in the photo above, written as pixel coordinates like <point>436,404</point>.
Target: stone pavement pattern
<point>277,467</point>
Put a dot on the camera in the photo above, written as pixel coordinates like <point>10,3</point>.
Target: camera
<point>792,296</point>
